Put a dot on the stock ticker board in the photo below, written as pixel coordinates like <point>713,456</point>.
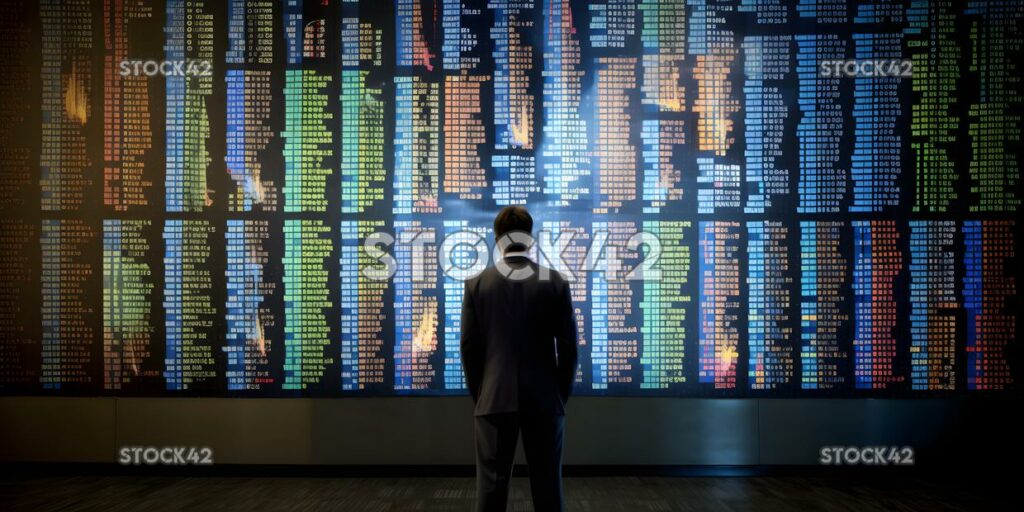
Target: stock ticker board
<point>187,188</point>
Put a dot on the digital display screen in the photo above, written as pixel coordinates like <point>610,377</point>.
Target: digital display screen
<point>777,198</point>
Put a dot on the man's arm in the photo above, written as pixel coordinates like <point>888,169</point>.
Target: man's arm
<point>565,339</point>
<point>470,346</point>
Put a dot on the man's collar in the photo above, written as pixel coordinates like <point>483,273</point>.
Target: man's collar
<point>516,254</point>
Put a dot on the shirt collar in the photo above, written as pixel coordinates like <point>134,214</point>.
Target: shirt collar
<point>516,254</point>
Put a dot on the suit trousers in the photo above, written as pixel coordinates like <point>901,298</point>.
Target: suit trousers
<point>496,439</point>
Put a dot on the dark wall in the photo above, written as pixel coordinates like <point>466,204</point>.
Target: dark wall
<point>418,431</point>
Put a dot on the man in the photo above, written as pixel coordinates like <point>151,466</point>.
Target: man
<point>519,358</point>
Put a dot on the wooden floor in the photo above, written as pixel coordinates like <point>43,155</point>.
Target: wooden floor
<point>591,494</point>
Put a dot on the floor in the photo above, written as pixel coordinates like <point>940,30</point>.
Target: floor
<point>625,494</point>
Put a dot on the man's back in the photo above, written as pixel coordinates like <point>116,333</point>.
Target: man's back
<point>519,339</point>
<point>519,357</point>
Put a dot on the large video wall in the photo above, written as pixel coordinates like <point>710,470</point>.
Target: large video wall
<point>187,188</point>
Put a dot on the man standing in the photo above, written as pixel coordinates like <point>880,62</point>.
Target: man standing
<point>519,358</point>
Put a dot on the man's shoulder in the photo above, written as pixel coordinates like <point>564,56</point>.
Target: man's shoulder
<point>492,274</point>
<point>474,281</point>
<point>482,277</point>
<point>556,276</point>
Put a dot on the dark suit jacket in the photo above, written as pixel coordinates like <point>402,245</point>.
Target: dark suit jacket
<point>518,340</point>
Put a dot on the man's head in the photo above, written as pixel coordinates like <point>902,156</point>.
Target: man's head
<point>513,219</point>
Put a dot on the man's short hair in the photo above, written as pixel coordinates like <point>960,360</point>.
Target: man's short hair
<point>511,219</point>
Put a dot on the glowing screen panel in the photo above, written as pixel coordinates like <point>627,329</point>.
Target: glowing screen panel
<point>782,198</point>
